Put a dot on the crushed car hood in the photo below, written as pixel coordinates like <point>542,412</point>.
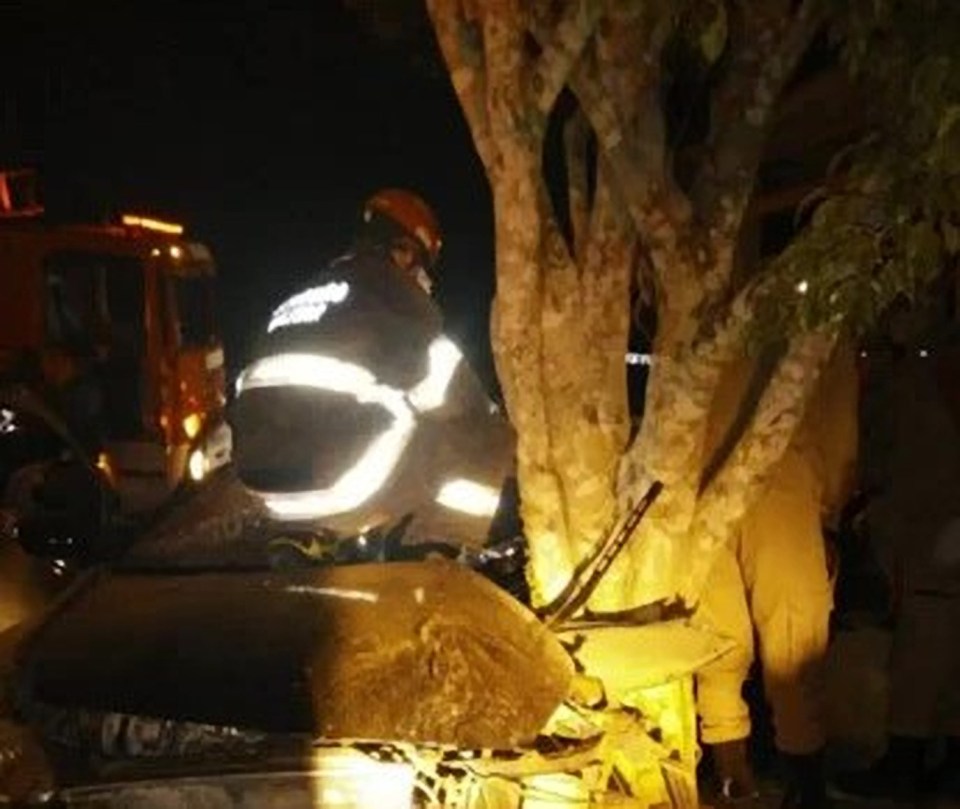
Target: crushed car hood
<point>413,651</point>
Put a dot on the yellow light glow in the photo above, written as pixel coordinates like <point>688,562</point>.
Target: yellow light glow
<point>469,497</point>
<point>191,425</point>
<point>555,791</point>
<point>197,466</point>
<point>176,251</point>
<point>104,465</point>
<point>147,223</point>
<point>346,779</point>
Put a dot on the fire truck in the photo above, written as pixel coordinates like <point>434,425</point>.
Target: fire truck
<point>109,355</point>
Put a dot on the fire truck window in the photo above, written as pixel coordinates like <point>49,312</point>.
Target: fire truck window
<point>125,300</point>
<point>71,302</point>
<point>194,298</point>
<point>94,298</point>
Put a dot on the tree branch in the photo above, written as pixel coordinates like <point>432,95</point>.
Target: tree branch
<point>513,121</point>
<point>768,45</point>
<point>681,390</point>
<point>562,48</point>
<point>779,412</point>
<point>656,206</point>
<point>627,66</point>
<point>459,41</point>
<point>607,265</point>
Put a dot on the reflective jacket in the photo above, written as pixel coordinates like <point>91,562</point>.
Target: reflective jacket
<point>357,411</point>
<point>361,309</point>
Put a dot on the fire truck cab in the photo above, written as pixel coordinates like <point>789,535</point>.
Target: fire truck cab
<point>111,328</point>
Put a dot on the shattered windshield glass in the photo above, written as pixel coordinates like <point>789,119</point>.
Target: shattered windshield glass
<point>224,527</point>
<point>221,526</point>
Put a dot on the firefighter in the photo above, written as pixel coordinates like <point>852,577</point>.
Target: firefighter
<point>774,582</point>
<point>356,398</point>
<point>914,464</point>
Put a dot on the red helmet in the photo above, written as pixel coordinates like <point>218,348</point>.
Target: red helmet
<point>411,213</point>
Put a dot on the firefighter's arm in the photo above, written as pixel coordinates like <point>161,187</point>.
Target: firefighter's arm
<point>466,395</point>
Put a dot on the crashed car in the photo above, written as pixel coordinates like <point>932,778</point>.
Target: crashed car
<point>197,671</point>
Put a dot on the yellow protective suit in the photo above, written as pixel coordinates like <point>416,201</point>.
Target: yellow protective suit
<point>774,580</point>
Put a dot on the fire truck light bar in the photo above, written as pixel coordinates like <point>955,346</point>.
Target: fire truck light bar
<point>152,224</point>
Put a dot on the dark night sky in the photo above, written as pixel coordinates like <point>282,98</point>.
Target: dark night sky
<point>261,125</point>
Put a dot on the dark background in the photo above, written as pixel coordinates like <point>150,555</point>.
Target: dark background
<point>262,126</point>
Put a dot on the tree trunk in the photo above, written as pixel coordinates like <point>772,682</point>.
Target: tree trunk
<point>569,448</point>
<point>560,318</point>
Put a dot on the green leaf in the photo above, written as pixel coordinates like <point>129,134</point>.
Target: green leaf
<point>713,38</point>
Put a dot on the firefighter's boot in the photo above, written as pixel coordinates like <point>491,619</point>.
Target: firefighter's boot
<point>735,779</point>
<point>806,786</point>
